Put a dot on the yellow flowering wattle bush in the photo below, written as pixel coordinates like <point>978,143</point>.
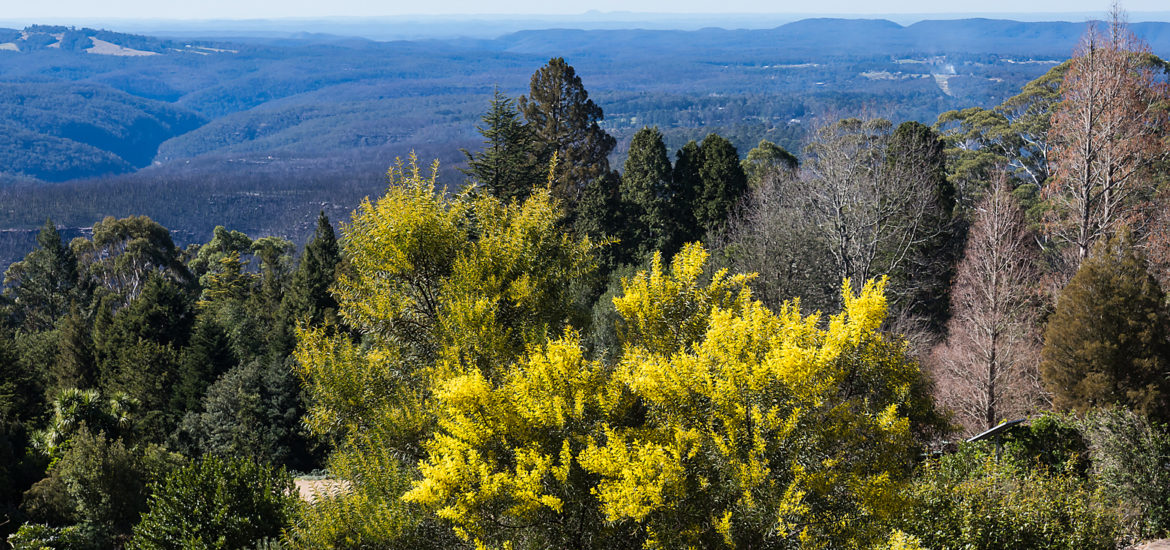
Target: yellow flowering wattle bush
<point>721,424</point>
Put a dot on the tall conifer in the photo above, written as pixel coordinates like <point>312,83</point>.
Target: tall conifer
<point>507,165</point>
<point>685,189</point>
<point>646,194</point>
<point>1106,343</point>
<point>723,181</point>
<point>564,122</point>
<point>42,283</point>
<point>308,297</point>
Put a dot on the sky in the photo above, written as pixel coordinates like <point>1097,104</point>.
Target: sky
<point>247,9</point>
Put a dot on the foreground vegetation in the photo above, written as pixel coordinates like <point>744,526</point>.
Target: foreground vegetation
<point>709,352</point>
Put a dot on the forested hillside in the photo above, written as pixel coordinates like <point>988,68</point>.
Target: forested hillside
<point>877,333</point>
<point>183,117</point>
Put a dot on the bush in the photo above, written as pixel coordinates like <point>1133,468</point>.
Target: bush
<point>35,536</point>
<point>974,500</point>
<point>216,503</point>
<point>99,483</point>
<point>1051,440</point>
<point>1131,458</point>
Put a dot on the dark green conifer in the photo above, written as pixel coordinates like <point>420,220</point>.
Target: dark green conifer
<point>508,165</point>
<point>1106,343</point>
<point>564,121</point>
<point>646,196</point>
<point>76,365</point>
<point>723,182</point>
<point>42,284</point>
<point>308,298</point>
<point>208,355</point>
<point>686,187</point>
<point>917,153</point>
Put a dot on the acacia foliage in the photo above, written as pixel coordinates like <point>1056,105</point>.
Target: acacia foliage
<point>722,424</point>
<point>436,285</point>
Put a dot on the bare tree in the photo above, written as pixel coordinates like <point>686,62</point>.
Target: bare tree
<point>770,235</point>
<point>1106,131</point>
<point>874,207</point>
<point>986,369</point>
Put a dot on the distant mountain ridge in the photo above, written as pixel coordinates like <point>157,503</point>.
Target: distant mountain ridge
<point>261,133</point>
<point>823,37</point>
<point>82,102</point>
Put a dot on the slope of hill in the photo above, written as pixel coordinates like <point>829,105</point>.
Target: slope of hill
<point>58,131</point>
<point>113,111</point>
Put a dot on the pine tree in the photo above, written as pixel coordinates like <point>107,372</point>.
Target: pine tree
<point>1106,343</point>
<point>308,297</point>
<point>646,194</point>
<point>564,121</point>
<point>42,283</point>
<point>508,165</point>
<point>723,181</point>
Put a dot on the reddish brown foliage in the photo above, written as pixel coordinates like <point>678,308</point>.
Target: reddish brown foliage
<point>986,369</point>
<point>1107,130</point>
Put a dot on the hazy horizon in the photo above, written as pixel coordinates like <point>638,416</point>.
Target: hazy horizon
<point>486,25</point>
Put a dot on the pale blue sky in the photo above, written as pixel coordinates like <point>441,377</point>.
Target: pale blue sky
<point>236,9</point>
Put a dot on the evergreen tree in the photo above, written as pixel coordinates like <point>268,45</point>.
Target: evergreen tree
<point>252,411</point>
<point>723,181</point>
<point>204,360</point>
<point>138,352</point>
<point>917,153</point>
<point>223,242</point>
<point>126,253</point>
<point>601,215</point>
<point>308,297</point>
<point>275,256</point>
<point>42,283</point>
<point>240,503</point>
<point>1106,343</point>
<point>20,391</point>
<point>564,121</point>
<point>508,165</point>
<point>76,365</point>
<point>768,160</point>
<point>646,194</point>
<point>685,189</point>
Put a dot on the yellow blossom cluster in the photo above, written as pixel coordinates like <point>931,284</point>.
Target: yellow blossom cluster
<point>721,424</point>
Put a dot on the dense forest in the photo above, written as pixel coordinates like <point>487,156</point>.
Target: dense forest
<point>708,345</point>
<point>268,129</point>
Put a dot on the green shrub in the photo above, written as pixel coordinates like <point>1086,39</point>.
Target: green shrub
<point>216,503</point>
<point>36,536</point>
<point>1131,458</point>
<point>975,500</point>
<point>1052,440</point>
